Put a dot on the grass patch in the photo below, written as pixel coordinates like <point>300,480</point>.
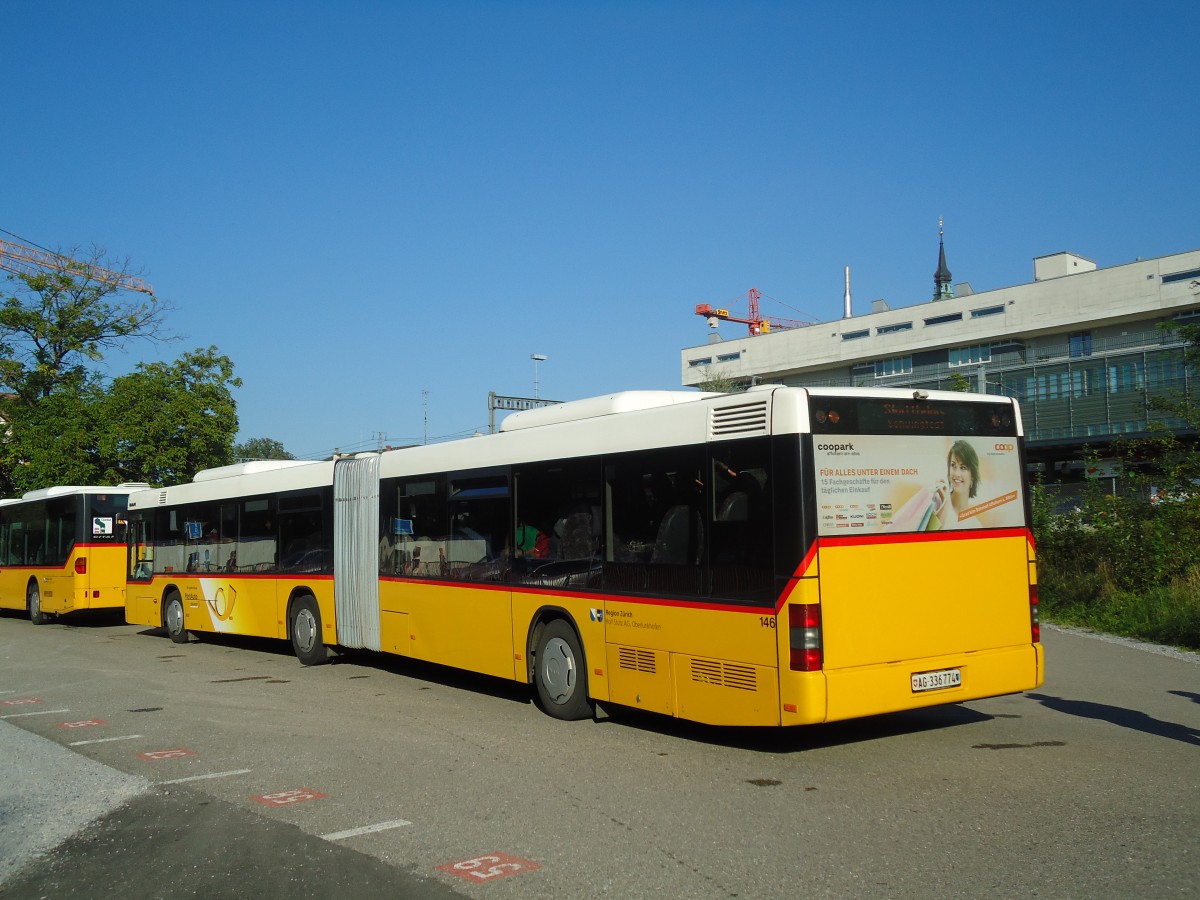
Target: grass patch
<point>1091,598</point>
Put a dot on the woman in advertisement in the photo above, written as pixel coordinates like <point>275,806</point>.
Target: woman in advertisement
<point>948,503</point>
<point>961,485</point>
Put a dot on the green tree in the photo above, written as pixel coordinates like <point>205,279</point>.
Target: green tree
<point>166,421</point>
<point>54,441</point>
<point>160,424</point>
<point>959,382</point>
<point>720,384</point>
<point>260,448</point>
<point>56,322</point>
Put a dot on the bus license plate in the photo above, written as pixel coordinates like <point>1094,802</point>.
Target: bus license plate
<point>932,681</point>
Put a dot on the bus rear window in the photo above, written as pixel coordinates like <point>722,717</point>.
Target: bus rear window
<point>105,512</point>
<point>853,415</point>
<point>888,466</point>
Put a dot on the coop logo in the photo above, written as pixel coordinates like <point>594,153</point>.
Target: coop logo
<point>1006,448</point>
<point>836,448</point>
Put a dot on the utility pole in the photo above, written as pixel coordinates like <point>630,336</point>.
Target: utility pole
<point>537,358</point>
<point>425,403</point>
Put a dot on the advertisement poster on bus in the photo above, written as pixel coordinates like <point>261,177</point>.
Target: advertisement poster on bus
<point>872,484</point>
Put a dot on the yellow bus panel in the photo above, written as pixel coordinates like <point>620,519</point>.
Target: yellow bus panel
<point>913,599</point>
<point>708,630</point>
<point>458,626</point>
<point>641,678</point>
<point>870,690</point>
<point>721,692</point>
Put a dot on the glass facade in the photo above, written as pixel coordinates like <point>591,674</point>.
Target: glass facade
<point>1078,388</point>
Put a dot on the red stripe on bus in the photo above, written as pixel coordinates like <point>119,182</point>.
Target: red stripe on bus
<point>921,537</point>
<point>227,576</point>
<point>591,596</point>
<point>809,558</point>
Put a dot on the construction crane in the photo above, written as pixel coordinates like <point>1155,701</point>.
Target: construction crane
<point>756,322</point>
<point>23,260</point>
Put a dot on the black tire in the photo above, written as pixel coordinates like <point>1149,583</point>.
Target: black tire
<point>33,603</point>
<point>560,673</point>
<point>304,628</point>
<point>173,619</point>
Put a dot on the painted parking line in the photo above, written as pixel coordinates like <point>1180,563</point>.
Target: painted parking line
<point>124,737</point>
<point>40,712</point>
<point>209,775</point>
<point>366,829</point>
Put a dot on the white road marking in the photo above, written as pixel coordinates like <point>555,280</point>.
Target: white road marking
<point>202,777</point>
<point>40,712</point>
<point>124,737</point>
<point>366,829</point>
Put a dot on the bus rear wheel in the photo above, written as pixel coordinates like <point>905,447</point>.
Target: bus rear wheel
<point>304,628</point>
<point>173,619</point>
<point>33,601</point>
<point>560,673</point>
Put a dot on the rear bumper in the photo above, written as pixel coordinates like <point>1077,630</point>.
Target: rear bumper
<point>884,688</point>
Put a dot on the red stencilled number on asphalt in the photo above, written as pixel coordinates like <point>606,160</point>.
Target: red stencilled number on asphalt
<point>287,798</point>
<point>20,702</point>
<point>486,868</point>
<point>156,755</point>
<point>86,723</point>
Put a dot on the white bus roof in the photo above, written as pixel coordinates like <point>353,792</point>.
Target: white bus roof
<point>592,407</point>
<point>127,487</point>
<point>619,422</point>
<point>262,477</point>
<point>249,468</point>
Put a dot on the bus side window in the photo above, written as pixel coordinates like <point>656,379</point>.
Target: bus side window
<point>656,516</point>
<point>141,551</point>
<point>60,529</point>
<point>302,534</point>
<point>414,527</point>
<point>257,537</point>
<point>741,546</point>
<point>560,538</point>
<point>478,545</point>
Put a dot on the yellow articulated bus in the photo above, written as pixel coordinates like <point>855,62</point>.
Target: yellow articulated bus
<point>784,556</point>
<point>62,549</point>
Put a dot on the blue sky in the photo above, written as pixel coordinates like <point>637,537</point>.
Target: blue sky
<point>360,202</point>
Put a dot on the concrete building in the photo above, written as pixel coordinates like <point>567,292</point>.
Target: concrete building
<point>1081,348</point>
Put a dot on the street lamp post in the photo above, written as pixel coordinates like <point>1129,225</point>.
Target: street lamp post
<point>537,358</point>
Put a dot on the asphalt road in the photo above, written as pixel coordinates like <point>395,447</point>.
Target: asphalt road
<point>134,767</point>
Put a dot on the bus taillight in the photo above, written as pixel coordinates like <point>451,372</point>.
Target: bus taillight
<point>804,627</point>
<point>1035,626</point>
<point>81,565</point>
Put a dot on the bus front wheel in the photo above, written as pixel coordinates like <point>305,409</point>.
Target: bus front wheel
<point>304,628</point>
<point>33,601</point>
<point>173,618</point>
<point>560,673</point>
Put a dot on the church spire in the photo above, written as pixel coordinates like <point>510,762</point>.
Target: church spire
<point>941,279</point>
